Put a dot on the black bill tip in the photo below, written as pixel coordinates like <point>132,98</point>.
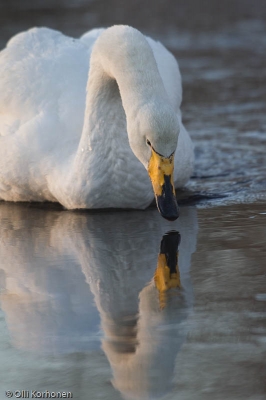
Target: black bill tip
<point>166,202</point>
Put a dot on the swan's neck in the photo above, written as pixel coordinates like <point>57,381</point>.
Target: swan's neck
<point>123,78</point>
<point>122,68</point>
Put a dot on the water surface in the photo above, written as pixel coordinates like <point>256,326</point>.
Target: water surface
<point>80,310</point>
<point>80,307</point>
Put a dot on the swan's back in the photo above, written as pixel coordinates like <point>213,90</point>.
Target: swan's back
<point>42,86</point>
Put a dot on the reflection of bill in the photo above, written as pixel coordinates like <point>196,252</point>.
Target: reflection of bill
<point>60,255</point>
<point>167,274</point>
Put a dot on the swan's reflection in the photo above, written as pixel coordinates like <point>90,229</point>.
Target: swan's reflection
<point>45,256</point>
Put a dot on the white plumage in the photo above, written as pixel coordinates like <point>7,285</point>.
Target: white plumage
<point>83,149</point>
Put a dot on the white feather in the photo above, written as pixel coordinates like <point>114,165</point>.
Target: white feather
<point>59,143</point>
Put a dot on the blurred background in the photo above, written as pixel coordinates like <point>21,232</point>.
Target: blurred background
<point>73,17</point>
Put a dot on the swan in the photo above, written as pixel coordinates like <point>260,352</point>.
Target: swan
<point>83,120</point>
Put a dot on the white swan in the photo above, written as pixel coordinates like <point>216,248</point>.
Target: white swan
<point>58,143</point>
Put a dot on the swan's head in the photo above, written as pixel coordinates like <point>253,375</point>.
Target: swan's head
<point>153,135</point>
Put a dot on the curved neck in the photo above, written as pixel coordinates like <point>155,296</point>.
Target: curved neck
<point>123,78</point>
<point>122,68</point>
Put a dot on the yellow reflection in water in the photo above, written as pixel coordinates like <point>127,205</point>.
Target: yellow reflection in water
<point>167,274</point>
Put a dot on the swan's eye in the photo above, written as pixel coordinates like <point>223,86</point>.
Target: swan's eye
<point>148,142</point>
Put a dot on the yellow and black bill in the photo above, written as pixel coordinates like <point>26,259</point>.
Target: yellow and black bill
<point>161,171</point>
<point>167,274</point>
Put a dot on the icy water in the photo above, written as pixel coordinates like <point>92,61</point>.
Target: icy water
<point>80,307</point>
<point>82,302</point>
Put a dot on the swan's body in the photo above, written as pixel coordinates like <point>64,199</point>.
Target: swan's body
<point>59,143</point>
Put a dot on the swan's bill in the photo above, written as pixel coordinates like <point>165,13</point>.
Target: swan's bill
<point>161,171</point>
